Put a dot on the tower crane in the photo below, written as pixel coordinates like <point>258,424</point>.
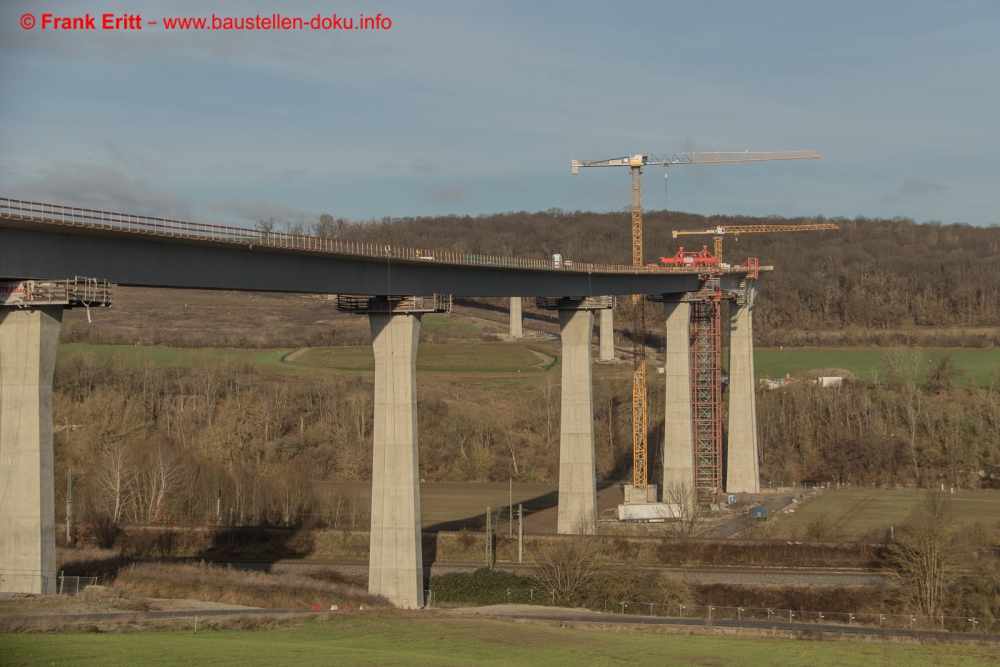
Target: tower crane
<point>635,163</point>
<point>706,348</point>
<point>736,230</point>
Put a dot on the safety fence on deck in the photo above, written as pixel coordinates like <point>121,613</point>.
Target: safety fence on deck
<point>140,224</point>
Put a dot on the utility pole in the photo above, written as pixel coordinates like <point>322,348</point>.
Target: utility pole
<point>510,509</point>
<point>489,539</point>
<point>520,533</point>
<point>69,507</point>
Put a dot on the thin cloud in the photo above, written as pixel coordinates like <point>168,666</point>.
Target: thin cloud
<point>426,167</point>
<point>915,187</point>
<point>260,209</point>
<point>512,186</point>
<point>101,188</point>
<point>445,193</point>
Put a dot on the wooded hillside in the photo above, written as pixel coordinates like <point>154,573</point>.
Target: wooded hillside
<point>870,274</point>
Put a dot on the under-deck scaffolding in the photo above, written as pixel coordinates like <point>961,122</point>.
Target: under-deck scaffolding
<point>706,390</point>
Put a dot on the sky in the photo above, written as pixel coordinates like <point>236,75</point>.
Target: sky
<point>478,107</point>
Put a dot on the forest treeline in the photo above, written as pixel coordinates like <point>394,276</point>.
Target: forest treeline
<point>871,274</point>
<point>159,445</point>
<point>151,445</point>
<point>917,425</point>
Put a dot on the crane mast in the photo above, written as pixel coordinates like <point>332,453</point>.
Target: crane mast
<point>635,163</point>
<point>639,410</point>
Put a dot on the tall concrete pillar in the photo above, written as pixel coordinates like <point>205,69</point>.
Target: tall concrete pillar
<point>515,317</point>
<point>577,479</point>
<point>607,347</point>
<point>396,568</point>
<point>29,338</point>
<point>742,471</point>
<point>678,428</point>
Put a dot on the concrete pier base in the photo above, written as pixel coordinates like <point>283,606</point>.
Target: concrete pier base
<point>742,471</point>
<point>396,557</point>
<point>577,479</point>
<point>515,317</point>
<point>678,429</point>
<point>607,346</point>
<point>29,338</point>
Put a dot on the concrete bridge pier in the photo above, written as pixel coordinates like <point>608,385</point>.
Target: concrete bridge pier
<point>742,468</point>
<point>678,426</point>
<point>396,568</point>
<point>577,477</point>
<point>607,338</point>
<point>515,317</point>
<point>395,562</point>
<point>29,338</point>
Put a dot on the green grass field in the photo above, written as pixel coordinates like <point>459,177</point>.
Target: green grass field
<point>433,323</point>
<point>851,513</point>
<point>171,356</point>
<point>978,364</point>
<point>458,357</point>
<point>432,639</point>
<point>473,357</point>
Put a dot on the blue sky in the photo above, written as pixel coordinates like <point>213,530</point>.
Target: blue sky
<point>472,108</point>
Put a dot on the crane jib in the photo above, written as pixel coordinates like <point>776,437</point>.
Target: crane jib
<point>701,157</point>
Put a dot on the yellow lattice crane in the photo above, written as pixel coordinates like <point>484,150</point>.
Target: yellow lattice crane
<point>736,230</point>
<point>635,163</point>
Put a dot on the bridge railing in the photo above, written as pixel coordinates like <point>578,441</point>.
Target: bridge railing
<point>75,216</point>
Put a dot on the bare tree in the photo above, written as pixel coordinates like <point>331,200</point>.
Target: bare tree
<point>297,228</point>
<point>903,368</point>
<point>683,508</point>
<point>508,425</point>
<point>116,479</point>
<point>568,566</point>
<point>927,557</point>
<point>548,397</point>
<point>481,452</point>
<point>157,474</point>
<point>326,227</point>
<point>266,226</point>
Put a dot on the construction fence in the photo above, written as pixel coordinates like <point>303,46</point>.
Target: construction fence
<point>42,582</point>
<point>708,613</point>
<point>774,615</point>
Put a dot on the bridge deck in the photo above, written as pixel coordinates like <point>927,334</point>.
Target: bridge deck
<point>47,241</point>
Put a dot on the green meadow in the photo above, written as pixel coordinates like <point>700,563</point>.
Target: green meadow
<point>428,638</point>
<point>976,364</point>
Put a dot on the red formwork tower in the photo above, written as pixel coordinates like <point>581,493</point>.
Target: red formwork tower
<point>706,390</point>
